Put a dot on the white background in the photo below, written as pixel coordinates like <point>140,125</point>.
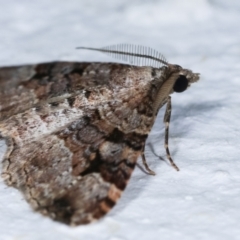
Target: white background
<point>202,201</point>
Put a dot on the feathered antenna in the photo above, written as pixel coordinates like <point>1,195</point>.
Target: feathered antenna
<point>136,55</point>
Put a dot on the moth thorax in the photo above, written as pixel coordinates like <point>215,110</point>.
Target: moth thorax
<point>164,91</point>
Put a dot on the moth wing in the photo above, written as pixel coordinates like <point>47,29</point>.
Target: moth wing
<point>74,133</point>
<point>75,175</point>
<point>23,87</point>
<point>11,94</point>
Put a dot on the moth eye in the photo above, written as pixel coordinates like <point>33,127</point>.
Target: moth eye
<point>181,84</point>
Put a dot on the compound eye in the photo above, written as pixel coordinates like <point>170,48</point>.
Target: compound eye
<point>181,84</point>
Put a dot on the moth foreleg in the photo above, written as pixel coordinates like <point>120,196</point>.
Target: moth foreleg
<point>167,118</point>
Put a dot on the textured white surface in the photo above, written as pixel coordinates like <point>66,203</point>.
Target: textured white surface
<point>202,201</point>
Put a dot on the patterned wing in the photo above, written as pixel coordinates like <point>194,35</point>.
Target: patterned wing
<point>73,146</point>
<point>77,174</point>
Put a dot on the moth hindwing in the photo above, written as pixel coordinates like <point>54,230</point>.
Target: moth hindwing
<point>74,130</point>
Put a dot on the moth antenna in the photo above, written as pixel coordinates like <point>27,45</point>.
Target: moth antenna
<point>136,55</point>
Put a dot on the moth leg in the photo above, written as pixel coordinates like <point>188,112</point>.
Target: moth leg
<point>167,118</point>
<point>145,163</point>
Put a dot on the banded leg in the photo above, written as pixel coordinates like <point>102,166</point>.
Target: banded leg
<point>167,118</point>
<point>145,162</point>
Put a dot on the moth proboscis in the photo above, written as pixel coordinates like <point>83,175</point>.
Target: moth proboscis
<point>75,130</point>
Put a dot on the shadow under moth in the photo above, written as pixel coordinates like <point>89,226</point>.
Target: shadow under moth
<point>74,130</point>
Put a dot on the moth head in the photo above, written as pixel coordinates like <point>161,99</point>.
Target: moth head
<point>178,80</point>
<point>184,79</point>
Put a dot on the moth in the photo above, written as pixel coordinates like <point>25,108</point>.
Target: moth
<point>74,130</point>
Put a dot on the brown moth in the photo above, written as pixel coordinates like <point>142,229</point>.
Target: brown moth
<point>75,130</point>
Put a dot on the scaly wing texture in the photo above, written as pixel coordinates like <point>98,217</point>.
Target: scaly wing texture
<point>74,133</point>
